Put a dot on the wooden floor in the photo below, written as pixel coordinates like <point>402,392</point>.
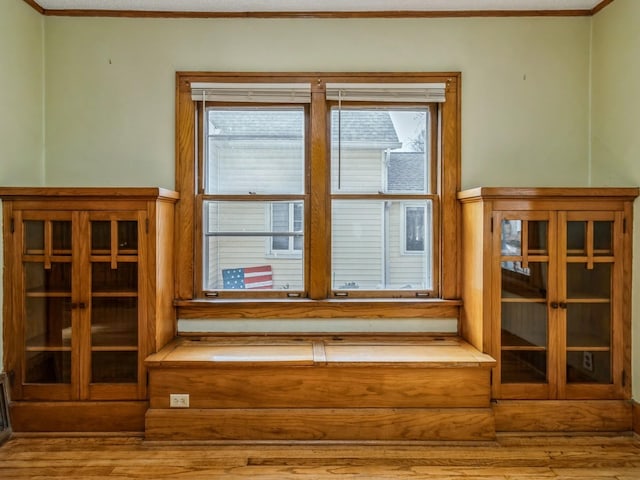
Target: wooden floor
<point>569,458</point>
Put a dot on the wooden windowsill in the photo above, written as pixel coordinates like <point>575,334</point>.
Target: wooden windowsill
<point>306,308</point>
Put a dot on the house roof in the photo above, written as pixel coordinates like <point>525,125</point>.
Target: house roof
<point>406,172</point>
<point>364,128</point>
<point>357,128</point>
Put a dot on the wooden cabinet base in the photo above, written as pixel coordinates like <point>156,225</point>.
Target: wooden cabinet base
<point>563,416</point>
<point>308,424</point>
<point>78,416</point>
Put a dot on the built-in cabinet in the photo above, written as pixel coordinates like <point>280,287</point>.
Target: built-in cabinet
<point>546,289</point>
<point>88,291</point>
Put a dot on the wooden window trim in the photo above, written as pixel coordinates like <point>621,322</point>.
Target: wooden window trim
<point>319,288</point>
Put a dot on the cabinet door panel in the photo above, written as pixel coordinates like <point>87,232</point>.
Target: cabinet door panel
<point>524,273</point>
<point>590,259</point>
<point>115,310</point>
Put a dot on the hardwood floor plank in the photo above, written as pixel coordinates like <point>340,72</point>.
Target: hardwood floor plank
<point>510,458</point>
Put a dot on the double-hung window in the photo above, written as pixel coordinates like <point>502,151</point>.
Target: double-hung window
<point>318,186</point>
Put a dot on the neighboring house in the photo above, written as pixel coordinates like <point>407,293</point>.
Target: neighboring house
<point>375,244</point>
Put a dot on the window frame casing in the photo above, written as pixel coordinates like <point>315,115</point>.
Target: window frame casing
<point>317,271</point>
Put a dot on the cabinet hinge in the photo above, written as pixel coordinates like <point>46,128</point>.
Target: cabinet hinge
<point>624,225</point>
<point>12,225</point>
<point>491,225</point>
<point>146,225</point>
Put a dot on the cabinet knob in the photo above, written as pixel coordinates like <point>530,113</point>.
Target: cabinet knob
<point>554,304</point>
<point>563,305</point>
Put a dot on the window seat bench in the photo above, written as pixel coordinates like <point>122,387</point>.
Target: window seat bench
<point>320,388</point>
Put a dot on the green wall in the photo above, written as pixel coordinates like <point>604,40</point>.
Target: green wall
<point>21,100</point>
<point>616,122</point>
<point>110,86</point>
<point>21,94</point>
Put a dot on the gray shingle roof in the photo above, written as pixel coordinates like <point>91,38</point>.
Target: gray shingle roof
<point>406,172</point>
<point>356,126</point>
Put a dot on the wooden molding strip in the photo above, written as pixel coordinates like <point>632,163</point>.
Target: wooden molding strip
<point>600,6</point>
<point>320,14</point>
<point>35,6</point>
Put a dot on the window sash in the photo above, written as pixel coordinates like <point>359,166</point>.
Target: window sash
<point>448,179</point>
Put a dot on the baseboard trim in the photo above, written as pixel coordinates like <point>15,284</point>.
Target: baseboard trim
<point>567,416</point>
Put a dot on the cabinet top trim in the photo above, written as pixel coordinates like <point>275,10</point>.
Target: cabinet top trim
<point>548,192</point>
<point>20,193</point>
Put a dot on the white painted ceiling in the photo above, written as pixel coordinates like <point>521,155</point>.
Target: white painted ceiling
<point>316,5</point>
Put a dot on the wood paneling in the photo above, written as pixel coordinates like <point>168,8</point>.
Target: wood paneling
<point>636,417</point>
<point>327,387</point>
<point>78,416</point>
<point>304,424</point>
<point>563,416</point>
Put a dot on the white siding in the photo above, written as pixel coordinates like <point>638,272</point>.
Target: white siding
<point>360,171</point>
<point>239,252</point>
<point>263,167</point>
<point>357,235</point>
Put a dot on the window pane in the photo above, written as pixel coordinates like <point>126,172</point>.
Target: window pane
<point>240,246</point>
<point>379,150</point>
<point>414,229</point>
<point>257,150</point>
<point>369,246</point>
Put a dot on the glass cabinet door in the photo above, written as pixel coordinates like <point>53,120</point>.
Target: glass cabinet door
<point>589,266</point>
<point>114,299</point>
<point>525,276</point>
<point>48,326</point>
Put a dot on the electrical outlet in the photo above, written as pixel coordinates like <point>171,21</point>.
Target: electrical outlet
<point>587,361</point>
<point>179,400</point>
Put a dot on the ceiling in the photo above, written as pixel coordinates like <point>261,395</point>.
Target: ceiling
<point>436,7</point>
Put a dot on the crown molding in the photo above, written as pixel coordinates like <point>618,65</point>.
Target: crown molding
<point>320,14</point>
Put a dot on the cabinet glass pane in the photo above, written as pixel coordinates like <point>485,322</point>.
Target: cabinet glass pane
<point>588,325</point>
<point>603,238</point>
<point>114,367</point>
<point>524,366</point>
<point>121,279</point>
<point>100,236</point>
<point>127,236</point>
<point>48,367</point>
<point>33,237</point>
<point>577,238</point>
<point>521,282</point>
<point>61,237</point>
<point>524,324</point>
<point>48,322</point>
<point>592,283</point>
<point>589,367</point>
<point>114,322</point>
<point>41,280</point>
<point>511,237</point>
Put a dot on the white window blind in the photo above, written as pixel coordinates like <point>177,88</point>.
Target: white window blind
<point>252,92</point>
<point>387,92</point>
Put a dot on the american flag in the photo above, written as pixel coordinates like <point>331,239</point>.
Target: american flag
<point>249,277</point>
